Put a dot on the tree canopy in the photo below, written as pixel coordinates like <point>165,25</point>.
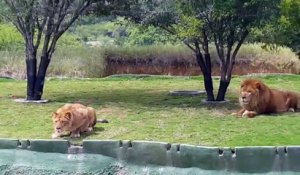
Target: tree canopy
<point>223,23</point>
<point>290,25</point>
<point>41,23</point>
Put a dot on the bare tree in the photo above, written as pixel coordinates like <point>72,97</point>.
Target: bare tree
<point>41,23</point>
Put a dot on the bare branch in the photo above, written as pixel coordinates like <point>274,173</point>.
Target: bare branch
<point>199,58</point>
<point>62,16</point>
<point>217,44</point>
<point>40,27</point>
<point>205,41</point>
<point>243,37</point>
<point>233,57</point>
<point>49,27</point>
<point>173,33</point>
<point>77,13</point>
<point>19,23</point>
<point>230,43</point>
<point>189,46</point>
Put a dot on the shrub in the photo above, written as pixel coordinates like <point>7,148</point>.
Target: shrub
<point>10,38</point>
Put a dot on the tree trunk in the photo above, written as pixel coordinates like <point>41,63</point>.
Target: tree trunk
<point>222,90</point>
<point>31,77</point>
<point>206,70</point>
<point>40,78</point>
<point>35,81</point>
<point>31,71</point>
<point>208,83</point>
<point>225,80</point>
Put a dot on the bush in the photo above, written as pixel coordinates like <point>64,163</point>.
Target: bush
<point>12,64</point>
<point>69,39</point>
<point>165,53</point>
<point>77,62</point>
<point>139,36</point>
<point>282,57</point>
<point>10,38</point>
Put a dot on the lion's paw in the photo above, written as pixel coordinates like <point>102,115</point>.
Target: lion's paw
<point>291,110</point>
<point>249,114</point>
<point>245,114</point>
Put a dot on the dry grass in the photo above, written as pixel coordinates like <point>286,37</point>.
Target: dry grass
<point>91,62</point>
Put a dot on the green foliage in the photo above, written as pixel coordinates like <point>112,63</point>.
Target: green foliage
<point>121,32</point>
<point>148,35</point>
<point>69,39</point>
<point>222,22</point>
<point>289,21</point>
<point>92,19</point>
<point>189,27</point>
<point>225,21</point>
<point>290,10</point>
<point>10,38</point>
<point>95,32</point>
<point>104,33</point>
<point>284,29</point>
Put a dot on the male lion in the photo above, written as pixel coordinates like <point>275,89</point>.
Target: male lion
<point>73,118</point>
<point>257,98</point>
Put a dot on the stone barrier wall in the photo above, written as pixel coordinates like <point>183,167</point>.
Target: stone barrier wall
<point>257,159</point>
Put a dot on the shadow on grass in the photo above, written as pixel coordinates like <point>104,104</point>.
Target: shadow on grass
<point>140,98</point>
<point>96,131</point>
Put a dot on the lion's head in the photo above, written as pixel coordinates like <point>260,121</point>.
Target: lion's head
<point>62,121</point>
<point>250,92</point>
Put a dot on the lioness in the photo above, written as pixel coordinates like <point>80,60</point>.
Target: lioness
<point>74,118</point>
<point>257,98</point>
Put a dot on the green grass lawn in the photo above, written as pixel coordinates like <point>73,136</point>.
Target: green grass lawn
<point>141,109</point>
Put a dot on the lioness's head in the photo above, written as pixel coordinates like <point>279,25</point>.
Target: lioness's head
<point>62,121</point>
<point>249,91</point>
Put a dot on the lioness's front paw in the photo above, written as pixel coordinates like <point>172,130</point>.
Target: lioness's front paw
<point>90,129</point>
<point>54,135</point>
<point>75,135</point>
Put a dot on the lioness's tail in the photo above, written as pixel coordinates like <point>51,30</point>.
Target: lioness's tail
<point>298,102</point>
<point>95,120</point>
<point>102,121</point>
